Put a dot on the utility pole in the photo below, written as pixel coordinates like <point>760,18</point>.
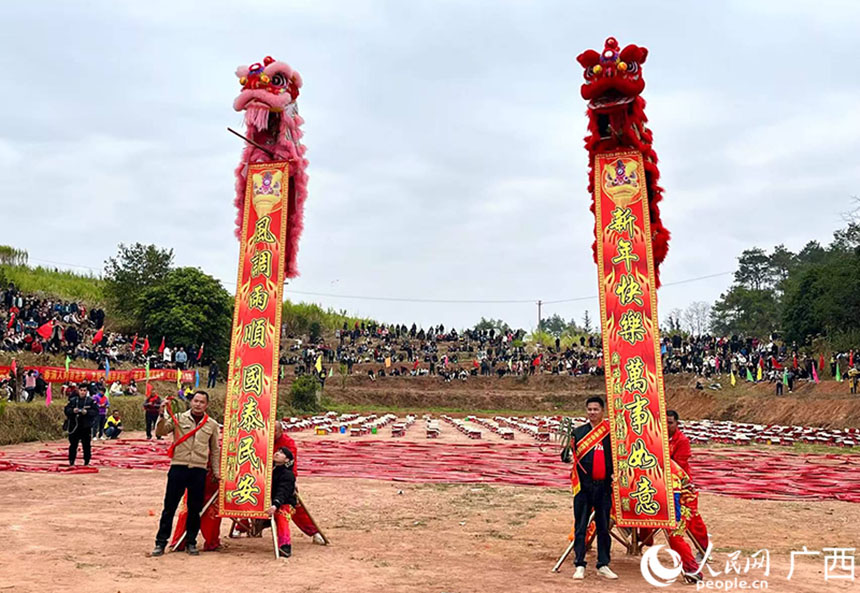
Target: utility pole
<point>539,303</point>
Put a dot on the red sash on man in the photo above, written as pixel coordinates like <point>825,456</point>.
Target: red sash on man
<point>594,437</point>
<point>187,435</point>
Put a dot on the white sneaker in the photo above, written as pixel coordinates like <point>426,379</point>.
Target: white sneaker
<point>579,573</point>
<point>606,573</point>
<point>319,539</point>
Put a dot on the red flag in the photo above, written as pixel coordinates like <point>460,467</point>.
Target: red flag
<point>775,363</point>
<point>821,362</point>
<point>475,363</point>
<point>45,330</point>
<point>99,336</point>
<point>200,353</point>
<point>48,396</point>
<point>761,362</point>
<point>146,345</point>
<point>11,321</point>
<point>415,365</point>
<point>14,368</point>
<point>795,361</point>
<point>161,348</point>
<point>148,389</point>
<point>134,343</point>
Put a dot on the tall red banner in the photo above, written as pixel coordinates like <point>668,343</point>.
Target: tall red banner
<point>631,343</point>
<point>252,380</point>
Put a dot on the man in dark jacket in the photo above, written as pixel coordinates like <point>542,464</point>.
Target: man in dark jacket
<point>594,469</point>
<point>81,412</point>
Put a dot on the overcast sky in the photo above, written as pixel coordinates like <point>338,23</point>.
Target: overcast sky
<point>444,139</point>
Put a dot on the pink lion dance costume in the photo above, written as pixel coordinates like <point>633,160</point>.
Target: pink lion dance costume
<point>616,121</point>
<point>272,120</point>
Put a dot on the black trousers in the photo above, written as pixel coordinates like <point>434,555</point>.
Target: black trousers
<point>179,479</point>
<point>99,426</point>
<point>84,437</point>
<point>210,382</point>
<point>596,496</point>
<point>151,421</point>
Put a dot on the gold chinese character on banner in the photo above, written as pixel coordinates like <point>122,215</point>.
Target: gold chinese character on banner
<point>251,417</point>
<point>247,453</point>
<point>640,415</point>
<point>632,329</point>
<point>625,254</point>
<point>644,497</point>
<point>620,426</point>
<point>246,491</point>
<point>623,220</point>
<point>615,358</point>
<point>261,264</point>
<point>641,457</point>
<point>628,290</point>
<point>255,333</point>
<point>252,378</point>
<point>262,234</point>
<point>635,375</point>
<point>258,298</point>
<point>232,468</point>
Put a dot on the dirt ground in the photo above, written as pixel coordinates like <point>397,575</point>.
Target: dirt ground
<point>93,533</point>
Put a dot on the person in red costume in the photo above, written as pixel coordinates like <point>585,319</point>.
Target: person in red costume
<point>300,517</point>
<point>680,452</point>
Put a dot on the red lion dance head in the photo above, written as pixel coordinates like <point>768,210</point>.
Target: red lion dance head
<point>616,121</point>
<point>272,120</point>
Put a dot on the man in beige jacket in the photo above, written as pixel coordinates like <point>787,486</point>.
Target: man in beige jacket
<point>196,444</point>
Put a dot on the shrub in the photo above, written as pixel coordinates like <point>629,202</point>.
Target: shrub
<point>304,394</point>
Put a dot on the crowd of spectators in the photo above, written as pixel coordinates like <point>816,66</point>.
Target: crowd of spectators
<point>399,350</point>
<point>74,333</point>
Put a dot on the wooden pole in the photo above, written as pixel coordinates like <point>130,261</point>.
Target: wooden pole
<point>301,502</point>
<point>205,508</point>
<point>564,556</point>
<point>252,143</point>
<point>275,537</point>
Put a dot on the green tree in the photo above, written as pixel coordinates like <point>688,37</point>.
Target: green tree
<point>135,269</point>
<point>782,262</point>
<point>744,310</point>
<point>587,326</point>
<point>554,325</point>
<point>190,307</point>
<point>314,332</point>
<point>304,394</point>
<point>754,270</point>
<point>496,324</point>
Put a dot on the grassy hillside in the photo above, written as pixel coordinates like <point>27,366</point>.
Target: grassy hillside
<point>54,283</point>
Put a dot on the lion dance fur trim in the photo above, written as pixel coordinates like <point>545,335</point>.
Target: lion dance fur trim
<point>617,121</point>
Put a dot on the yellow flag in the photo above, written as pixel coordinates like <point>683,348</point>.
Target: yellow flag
<point>733,379</point>
<point>387,361</point>
<point>178,378</point>
<point>758,374</point>
<point>318,365</point>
